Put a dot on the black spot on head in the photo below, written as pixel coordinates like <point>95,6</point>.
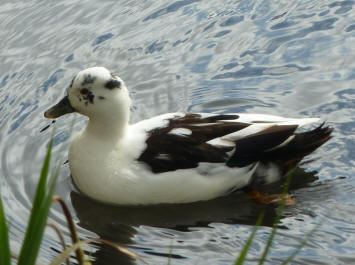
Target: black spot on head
<point>101,97</point>
<point>113,83</point>
<point>88,96</point>
<point>88,79</point>
<point>84,91</point>
<point>91,97</point>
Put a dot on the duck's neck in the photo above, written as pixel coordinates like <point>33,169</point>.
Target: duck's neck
<point>109,129</point>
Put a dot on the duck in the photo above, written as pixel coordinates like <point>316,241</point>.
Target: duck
<point>175,157</point>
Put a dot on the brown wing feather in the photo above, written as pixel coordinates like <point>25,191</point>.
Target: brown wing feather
<point>260,147</point>
<point>169,152</point>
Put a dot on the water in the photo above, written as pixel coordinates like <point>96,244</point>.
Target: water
<point>293,58</point>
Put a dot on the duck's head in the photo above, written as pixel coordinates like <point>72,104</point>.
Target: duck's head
<point>94,92</point>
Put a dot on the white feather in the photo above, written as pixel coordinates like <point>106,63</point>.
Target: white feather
<point>252,129</point>
<point>268,173</point>
<point>180,131</point>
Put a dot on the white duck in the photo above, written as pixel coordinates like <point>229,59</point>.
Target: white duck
<point>174,157</point>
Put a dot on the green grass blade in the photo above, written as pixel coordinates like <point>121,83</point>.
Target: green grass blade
<point>39,213</point>
<point>5,256</point>
<point>245,249</point>
<point>277,218</point>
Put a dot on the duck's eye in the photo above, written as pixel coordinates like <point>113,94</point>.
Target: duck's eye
<point>84,91</point>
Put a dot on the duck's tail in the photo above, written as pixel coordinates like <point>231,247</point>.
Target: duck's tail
<point>304,143</point>
<point>277,150</point>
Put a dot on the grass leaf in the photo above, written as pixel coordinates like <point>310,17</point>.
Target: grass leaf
<point>39,213</point>
<point>277,218</point>
<point>67,252</point>
<point>5,256</point>
<point>80,256</point>
<point>60,236</point>
<point>245,249</point>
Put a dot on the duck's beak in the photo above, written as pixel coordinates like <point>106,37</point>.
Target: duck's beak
<point>61,108</point>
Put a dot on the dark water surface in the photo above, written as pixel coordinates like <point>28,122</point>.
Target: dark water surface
<point>292,58</point>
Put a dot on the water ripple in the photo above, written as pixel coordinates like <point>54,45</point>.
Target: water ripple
<point>286,58</point>
<point>170,8</point>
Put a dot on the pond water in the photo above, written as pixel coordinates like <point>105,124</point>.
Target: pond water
<point>291,58</point>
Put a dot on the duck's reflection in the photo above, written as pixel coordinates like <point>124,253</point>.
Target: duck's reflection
<point>117,223</point>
